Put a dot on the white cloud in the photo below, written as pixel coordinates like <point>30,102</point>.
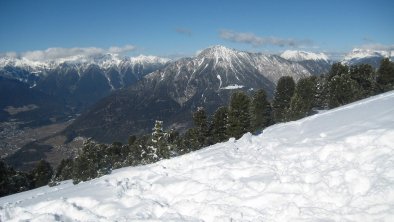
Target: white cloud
<point>378,47</point>
<point>251,38</point>
<point>120,50</point>
<point>60,53</point>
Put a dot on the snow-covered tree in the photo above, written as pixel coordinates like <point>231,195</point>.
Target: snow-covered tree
<point>158,148</point>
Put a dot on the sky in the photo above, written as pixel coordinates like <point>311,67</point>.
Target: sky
<point>176,28</point>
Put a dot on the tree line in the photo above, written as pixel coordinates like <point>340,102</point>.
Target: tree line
<point>244,113</point>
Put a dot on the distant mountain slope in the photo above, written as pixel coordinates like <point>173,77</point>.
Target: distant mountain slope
<point>334,166</point>
<point>77,82</point>
<point>171,94</point>
<point>19,101</point>
<point>315,63</point>
<point>367,56</point>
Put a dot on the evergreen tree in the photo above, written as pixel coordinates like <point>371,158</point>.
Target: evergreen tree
<point>116,154</point>
<point>158,148</point>
<point>218,127</point>
<point>132,139</point>
<point>189,141</point>
<point>201,127</point>
<point>12,181</point>
<point>138,151</point>
<point>42,174</point>
<point>172,138</point>
<point>385,77</point>
<point>261,111</point>
<point>364,76</point>
<point>19,182</point>
<point>302,100</point>
<point>337,69</point>
<point>83,169</point>
<point>342,90</point>
<point>320,99</point>
<point>4,179</point>
<point>93,161</point>
<point>62,172</point>
<point>283,93</point>
<point>238,115</point>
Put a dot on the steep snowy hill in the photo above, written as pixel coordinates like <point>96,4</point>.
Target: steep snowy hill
<point>334,166</point>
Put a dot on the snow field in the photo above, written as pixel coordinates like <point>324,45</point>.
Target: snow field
<point>334,166</point>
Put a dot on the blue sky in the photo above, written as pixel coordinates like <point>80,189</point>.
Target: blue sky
<point>176,28</point>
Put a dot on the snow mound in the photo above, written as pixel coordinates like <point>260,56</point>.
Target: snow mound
<point>334,166</point>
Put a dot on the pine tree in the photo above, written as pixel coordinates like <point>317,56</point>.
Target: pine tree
<point>4,179</point>
<point>261,111</point>
<point>131,139</point>
<point>238,115</point>
<point>189,142</point>
<point>93,161</point>
<point>138,151</point>
<point>364,76</point>
<point>283,93</point>
<point>64,170</point>
<point>42,173</point>
<point>385,77</point>
<point>342,90</point>
<point>158,148</point>
<point>345,85</point>
<point>201,127</point>
<point>218,127</point>
<point>172,138</point>
<point>337,69</point>
<point>83,169</point>
<point>302,100</point>
<point>12,181</point>
<point>320,99</point>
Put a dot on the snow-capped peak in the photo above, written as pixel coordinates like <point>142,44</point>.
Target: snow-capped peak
<point>148,59</point>
<point>297,56</point>
<point>103,60</point>
<point>359,53</point>
<point>218,51</point>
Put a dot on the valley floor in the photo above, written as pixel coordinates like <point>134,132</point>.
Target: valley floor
<point>334,166</point>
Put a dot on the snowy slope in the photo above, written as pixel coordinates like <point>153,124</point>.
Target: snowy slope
<point>334,166</point>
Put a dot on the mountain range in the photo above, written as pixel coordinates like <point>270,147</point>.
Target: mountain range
<point>367,56</point>
<point>119,96</point>
<point>172,93</point>
<point>76,82</point>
